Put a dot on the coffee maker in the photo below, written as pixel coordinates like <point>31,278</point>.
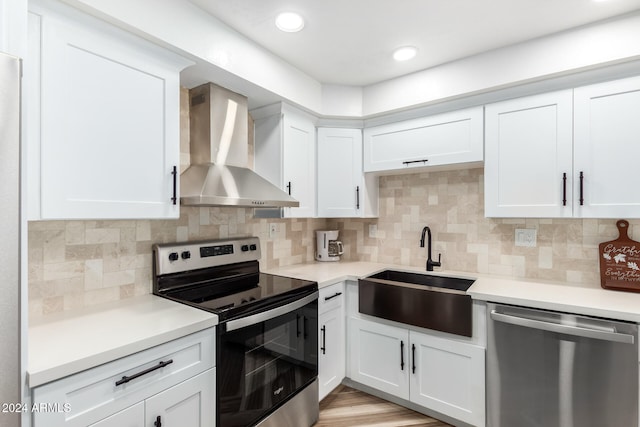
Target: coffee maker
<point>329,248</point>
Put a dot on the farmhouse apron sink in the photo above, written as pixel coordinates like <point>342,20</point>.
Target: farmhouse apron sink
<point>425,300</point>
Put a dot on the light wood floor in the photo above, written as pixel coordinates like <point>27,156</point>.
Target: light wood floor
<point>346,407</point>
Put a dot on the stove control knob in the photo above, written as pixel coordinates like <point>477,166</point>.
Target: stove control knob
<point>243,301</point>
<point>185,255</point>
<point>244,248</point>
<point>253,247</point>
<point>173,256</point>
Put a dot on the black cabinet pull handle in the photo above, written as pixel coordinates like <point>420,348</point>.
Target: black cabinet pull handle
<point>174,172</point>
<point>407,163</point>
<point>402,355</point>
<point>297,325</point>
<point>126,379</point>
<point>581,188</point>
<point>324,335</point>
<point>413,358</point>
<point>289,187</point>
<point>158,422</point>
<point>337,294</point>
<point>564,189</point>
<point>357,197</point>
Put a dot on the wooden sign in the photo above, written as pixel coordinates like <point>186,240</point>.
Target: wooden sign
<point>620,261</point>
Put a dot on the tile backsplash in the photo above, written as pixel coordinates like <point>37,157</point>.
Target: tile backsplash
<point>451,203</point>
<point>80,263</point>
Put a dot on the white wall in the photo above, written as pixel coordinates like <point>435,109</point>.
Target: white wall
<point>231,60</point>
<point>566,52</point>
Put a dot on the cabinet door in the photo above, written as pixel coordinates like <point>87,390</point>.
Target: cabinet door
<point>339,173</point>
<point>448,377</point>
<point>130,417</point>
<point>299,171</point>
<point>443,139</point>
<point>109,122</point>
<point>331,339</point>
<point>378,356</point>
<point>528,151</point>
<point>188,404</point>
<point>607,149</point>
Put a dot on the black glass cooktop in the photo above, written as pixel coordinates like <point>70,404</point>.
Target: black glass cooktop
<point>233,291</point>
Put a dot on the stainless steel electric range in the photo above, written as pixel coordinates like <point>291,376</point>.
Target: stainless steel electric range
<point>267,337</point>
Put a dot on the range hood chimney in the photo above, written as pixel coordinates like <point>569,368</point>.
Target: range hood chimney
<point>218,175</point>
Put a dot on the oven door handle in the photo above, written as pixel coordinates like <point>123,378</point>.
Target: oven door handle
<point>233,325</point>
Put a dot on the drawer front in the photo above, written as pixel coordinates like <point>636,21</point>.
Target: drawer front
<point>331,297</point>
<point>92,395</point>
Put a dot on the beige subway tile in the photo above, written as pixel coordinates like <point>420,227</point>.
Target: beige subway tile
<point>93,273</point>
<point>63,270</point>
<point>101,296</point>
<point>53,305</point>
<point>143,230</point>
<point>102,235</point>
<point>74,233</point>
<point>118,278</point>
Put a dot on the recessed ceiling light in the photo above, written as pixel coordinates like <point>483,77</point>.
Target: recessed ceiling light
<point>405,53</point>
<point>289,22</point>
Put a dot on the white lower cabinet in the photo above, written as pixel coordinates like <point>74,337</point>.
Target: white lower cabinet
<point>188,404</point>
<point>448,377</point>
<point>331,338</point>
<point>174,381</point>
<point>130,417</point>
<point>440,374</point>
<point>379,356</point>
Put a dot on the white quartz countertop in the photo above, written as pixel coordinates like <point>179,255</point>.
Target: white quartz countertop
<point>66,343</point>
<point>587,300</point>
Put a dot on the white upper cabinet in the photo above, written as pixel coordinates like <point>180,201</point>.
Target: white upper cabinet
<point>528,153</point>
<point>343,189</point>
<point>569,153</point>
<point>107,126</point>
<point>285,154</point>
<point>607,149</point>
<point>441,140</point>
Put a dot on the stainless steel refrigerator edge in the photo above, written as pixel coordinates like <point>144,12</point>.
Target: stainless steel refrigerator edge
<point>551,369</point>
<point>10,373</point>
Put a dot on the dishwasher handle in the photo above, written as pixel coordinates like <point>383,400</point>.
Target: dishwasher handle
<point>563,329</point>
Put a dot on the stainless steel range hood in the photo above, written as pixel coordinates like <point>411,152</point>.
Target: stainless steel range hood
<point>218,175</point>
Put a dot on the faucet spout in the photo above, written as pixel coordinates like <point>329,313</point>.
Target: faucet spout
<point>430,263</point>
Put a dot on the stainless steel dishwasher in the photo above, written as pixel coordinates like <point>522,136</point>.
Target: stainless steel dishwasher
<point>551,369</point>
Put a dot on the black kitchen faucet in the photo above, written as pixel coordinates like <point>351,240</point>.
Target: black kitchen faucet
<point>430,263</point>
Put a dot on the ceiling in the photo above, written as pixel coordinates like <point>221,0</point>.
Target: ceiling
<point>350,42</point>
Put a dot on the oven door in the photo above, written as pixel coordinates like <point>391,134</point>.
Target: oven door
<point>264,359</point>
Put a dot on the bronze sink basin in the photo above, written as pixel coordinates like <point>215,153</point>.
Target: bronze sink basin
<point>424,300</point>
